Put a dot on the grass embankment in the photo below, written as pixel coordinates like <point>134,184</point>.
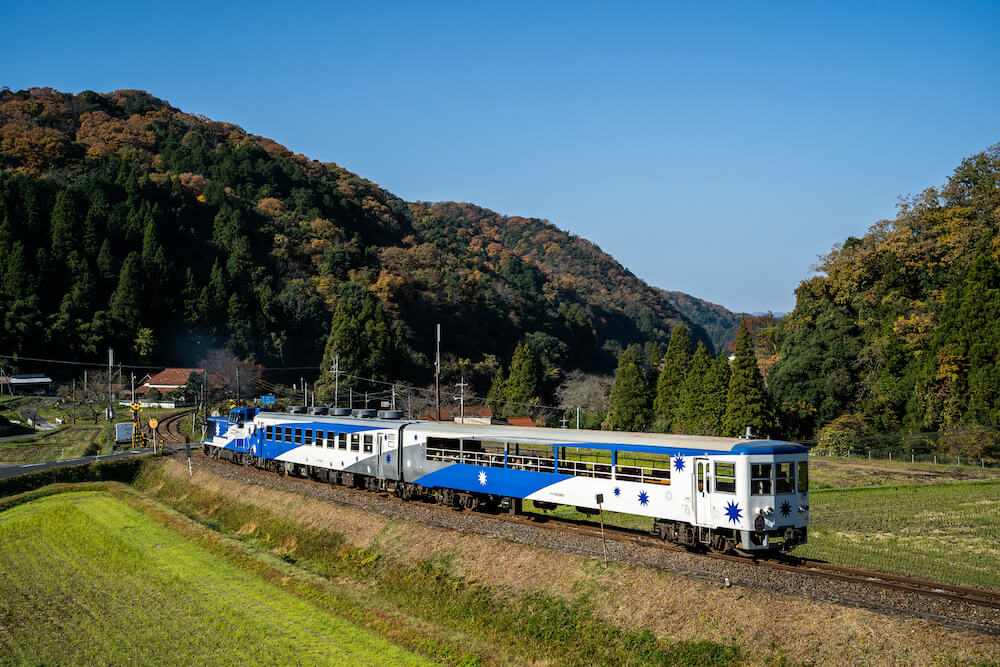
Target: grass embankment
<point>89,580</point>
<point>478,619</point>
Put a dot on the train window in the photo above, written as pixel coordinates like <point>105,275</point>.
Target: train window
<point>701,478</point>
<point>320,438</point>
<point>803,476</point>
<point>584,462</point>
<point>308,437</point>
<point>784,480</point>
<point>760,479</point>
<point>288,434</point>
<point>644,468</point>
<point>298,436</point>
<point>269,433</point>
<point>342,441</point>
<point>725,477</point>
<point>368,443</point>
<point>355,442</point>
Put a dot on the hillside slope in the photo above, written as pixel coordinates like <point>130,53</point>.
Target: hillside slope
<point>127,222</point>
<point>901,332</point>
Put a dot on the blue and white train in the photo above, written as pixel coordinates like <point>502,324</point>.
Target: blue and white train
<point>724,494</point>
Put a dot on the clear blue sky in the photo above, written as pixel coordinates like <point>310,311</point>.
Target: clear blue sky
<point>715,151</point>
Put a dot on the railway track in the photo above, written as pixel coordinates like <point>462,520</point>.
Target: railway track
<point>168,429</point>
<point>812,568</point>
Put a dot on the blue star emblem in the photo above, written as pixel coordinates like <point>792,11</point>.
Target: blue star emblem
<point>733,512</point>
<point>786,508</point>
<point>388,458</point>
<point>618,492</point>
<point>678,463</point>
<point>643,498</point>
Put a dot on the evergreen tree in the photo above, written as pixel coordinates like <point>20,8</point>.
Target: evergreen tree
<point>106,262</point>
<point>65,225</point>
<point>524,383</point>
<point>630,408</point>
<point>714,388</point>
<point>361,337</point>
<point>747,401</point>
<point>671,378</point>
<point>496,398</point>
<point>692,395</point>
<point>125,301</point>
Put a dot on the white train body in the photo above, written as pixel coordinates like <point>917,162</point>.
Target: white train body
<point>725,493</point>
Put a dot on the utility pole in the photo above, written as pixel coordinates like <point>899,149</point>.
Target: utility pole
<point>237,384</point>
<point>74,400</point>
<point>305,397</point>
<point>437,374</point>
<point>578,418</point>
<point>336,381</point>
<point>133,387</point>
<point>461,397</point>
<point>393,396</point>
<point>111,362</point>
<point>204,392</point>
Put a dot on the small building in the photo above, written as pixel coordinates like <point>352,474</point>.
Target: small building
<point>31,384</point>
<point>165,382</point>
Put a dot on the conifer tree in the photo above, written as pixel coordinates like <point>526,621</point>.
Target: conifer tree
<point>523,385</point>
<point>125,301</point>
<point>630,408</point>
<point>671,378</point>
<point>496,398</point>
<point>715,387</point>
<point>65,225</point>
<point>692,394</point>
<point>747,402</point>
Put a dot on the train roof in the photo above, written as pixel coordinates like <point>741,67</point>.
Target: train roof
<point>657,443</point>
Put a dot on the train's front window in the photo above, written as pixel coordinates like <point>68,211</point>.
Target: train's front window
<point>784,480</point>
<point>760,479</point>
<point>803,476</point>
<point>725,477</point>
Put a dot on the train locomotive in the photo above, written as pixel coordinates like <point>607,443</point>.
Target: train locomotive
<point>725,494</point>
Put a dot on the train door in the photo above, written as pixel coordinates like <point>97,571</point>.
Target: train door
<point>387,460</point>
<point>702,493</point>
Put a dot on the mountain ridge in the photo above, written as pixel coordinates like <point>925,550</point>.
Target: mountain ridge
<point>253,247</point>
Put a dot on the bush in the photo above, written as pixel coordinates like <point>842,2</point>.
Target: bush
<point>115,470</point>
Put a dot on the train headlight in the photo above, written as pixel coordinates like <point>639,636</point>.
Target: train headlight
<point>803,508</point>
<point>758,523</point>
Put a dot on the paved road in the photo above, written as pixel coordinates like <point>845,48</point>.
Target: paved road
<point>16,469</point>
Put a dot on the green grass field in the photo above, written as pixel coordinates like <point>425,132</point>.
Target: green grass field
<point>946,532</point>
<point>89,580</point>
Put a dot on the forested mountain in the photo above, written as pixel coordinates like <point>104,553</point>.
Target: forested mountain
<point>127,222</point>
<point>900,332</point>
<point>717,321</point>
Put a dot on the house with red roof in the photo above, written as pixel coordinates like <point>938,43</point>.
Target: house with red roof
<point>168,383</point>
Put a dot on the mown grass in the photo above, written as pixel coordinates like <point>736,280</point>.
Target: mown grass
<point>89,580</point>
<point>74,440</point>
<point>946,532</point>
<point>65,443</point>
<point>532,627</point>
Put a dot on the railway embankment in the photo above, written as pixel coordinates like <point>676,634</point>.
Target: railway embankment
<point>759,614</point>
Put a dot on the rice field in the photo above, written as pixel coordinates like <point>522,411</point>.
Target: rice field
<point>86,579</point>
<point>946,532</point>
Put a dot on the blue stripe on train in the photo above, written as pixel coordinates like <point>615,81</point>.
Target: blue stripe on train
<point>499,481</point>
